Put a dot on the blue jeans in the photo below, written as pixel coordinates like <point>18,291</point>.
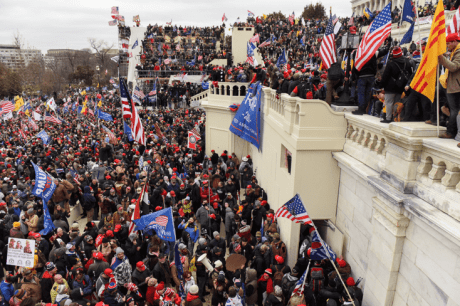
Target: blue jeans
<point>364,88</point>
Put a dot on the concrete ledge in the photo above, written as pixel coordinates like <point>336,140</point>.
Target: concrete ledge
<point>415,129</point>
<point>345,109</point>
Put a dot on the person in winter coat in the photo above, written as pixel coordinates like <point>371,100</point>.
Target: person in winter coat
<point>258,216</point>
<point>47,281</point>
<point>264,286</point>
<point>192,298</point>
<point>83,282</point>
<point>190,228</point>
<point>452,83</point>
<point>251,287</point>
<point>229,222</point>
<point>397,67</point>
<point>202,215</point>
<point>139,277</point>
<point>276,298</point>
<point>234,299</point>
<point>7,289</point>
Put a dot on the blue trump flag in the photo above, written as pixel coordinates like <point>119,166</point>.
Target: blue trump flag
<point>408,36</point>
<point>250,48</point>
<point>127,131</point>
<point>104,116</point>
<point>408,13</point>
<point>136,43</point>
<point>318,248</point>
<point>281,59</point>
<point>246,123</point>
<point>44,188</point>
<point>205,85</point>
<point>44,137</point>
<point>160,222</point>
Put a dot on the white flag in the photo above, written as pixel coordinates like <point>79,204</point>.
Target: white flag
<point>337,27</point>
<point>7,116</point>
<point>37,116</point>
<point>51,103</point>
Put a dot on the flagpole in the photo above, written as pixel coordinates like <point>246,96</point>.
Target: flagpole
<point>418,26</point>
<point>303,284</point>
<point>437,99</point>
<point>330,259</point>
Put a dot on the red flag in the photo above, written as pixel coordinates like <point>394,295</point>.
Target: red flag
<point>192,140</point>
<point>137,210</point>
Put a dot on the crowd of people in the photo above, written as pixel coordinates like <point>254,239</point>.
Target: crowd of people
<point>218,210</point>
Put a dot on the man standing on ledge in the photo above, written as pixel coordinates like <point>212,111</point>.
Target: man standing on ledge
<point>452,66</point>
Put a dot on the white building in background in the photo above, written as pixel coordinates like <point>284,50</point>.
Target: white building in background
<point>13,57</point>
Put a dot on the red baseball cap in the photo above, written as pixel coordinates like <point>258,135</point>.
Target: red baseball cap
<point>108,272</point>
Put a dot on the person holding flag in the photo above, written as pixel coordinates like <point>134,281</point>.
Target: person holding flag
<point>451,81</point>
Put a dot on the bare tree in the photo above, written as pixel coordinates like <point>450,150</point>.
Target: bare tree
<point>101,49</point>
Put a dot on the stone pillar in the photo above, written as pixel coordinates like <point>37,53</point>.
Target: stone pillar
<point>385,251</point>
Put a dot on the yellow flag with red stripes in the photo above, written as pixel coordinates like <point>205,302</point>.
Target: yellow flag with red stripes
<point>425,81</point>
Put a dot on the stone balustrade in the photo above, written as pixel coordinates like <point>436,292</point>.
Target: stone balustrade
<point>365,140</point>
<point>410,156</point>
<point>195,101</point>
<point>229,91</point>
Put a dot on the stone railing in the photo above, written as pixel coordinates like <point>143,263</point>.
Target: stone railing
<point>410,156</point>
<point>365,140</point>
<point>233,92</point>
<point>195,101</point>
<point>299,117</point>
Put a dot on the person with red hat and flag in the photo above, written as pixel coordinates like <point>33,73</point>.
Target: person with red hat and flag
<point>451,81</point>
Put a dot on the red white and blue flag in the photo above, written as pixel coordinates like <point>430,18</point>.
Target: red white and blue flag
<point>375,35</point>
<point>136,124</point>
<point>250,14</point>
<point>300,285</point>
<point>294,210</point>
<point>319,249</point>
<point>6,107</point>
<point>327,49</point>
<point>32,124</point>
<point>50,118</point>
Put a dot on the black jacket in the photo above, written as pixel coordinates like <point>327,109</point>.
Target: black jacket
<point>392,72</point>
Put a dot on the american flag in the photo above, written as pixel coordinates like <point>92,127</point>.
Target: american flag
<point>200,57</point>
<point>50,118</point>
<point>33,124</point>
<point>21,132</point>
<point>136,124</point>
<point>111,81</point>
<point>112,138</point>
<point>265,43</point>
<point>250,14</point>
<point>375,35</point>
<point>455,24</point>
<point>294,211</point>
<point>335,19</point>
<point>125,103</point>
<point>6,107</point>
<point>224,18</point>
<point>161,221</point>
<point>75,176</point>
<point>327,49</point>
<point>203,76</point>
<point>154,89</point>
<point>250,60</point>
<point>254,38</point>
<point>351,22</point>
<point>300,285</point>
<point>139,92</point>
<point>90,111</point>
<point>318,248</point>
<point>291,18</point>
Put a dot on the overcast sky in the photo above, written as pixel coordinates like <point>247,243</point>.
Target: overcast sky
<point>53,24</point>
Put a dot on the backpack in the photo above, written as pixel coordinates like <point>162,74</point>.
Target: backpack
<point>403,78</point>
<point>335,72</point>
<point>278,276</point>
<point>317,278</point>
